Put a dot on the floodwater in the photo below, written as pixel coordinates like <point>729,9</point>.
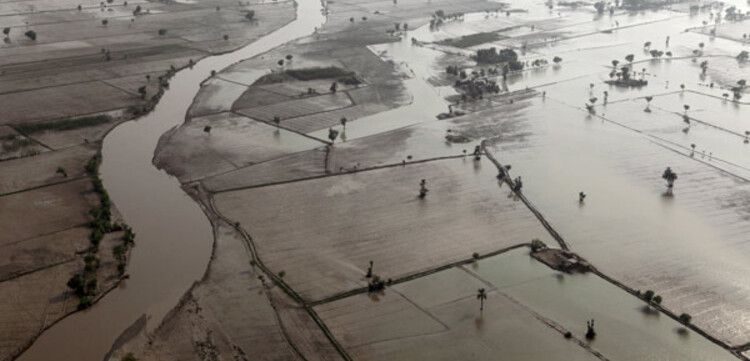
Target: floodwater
<point>691,247</point>
<point>173,236</point>
<point>625,329</point>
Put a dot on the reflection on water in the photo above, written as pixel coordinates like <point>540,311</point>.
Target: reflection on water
<point>174,238</point>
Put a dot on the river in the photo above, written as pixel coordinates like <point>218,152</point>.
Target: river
<point>173,236</point>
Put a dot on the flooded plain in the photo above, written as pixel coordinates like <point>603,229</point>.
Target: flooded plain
<point>691,247</point>
<point>173,235</point>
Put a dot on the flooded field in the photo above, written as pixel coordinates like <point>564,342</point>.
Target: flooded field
<point>444,322</point>
<point>174,235</point>
<point>319,185</point>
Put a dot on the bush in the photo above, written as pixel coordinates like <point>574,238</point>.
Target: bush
<point>76,283</point>
<point>537,245</point>
<point>685,318</point>
<point>85,302</point>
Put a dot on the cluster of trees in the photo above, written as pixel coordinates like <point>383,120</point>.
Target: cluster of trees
<point>85,284</point>
<point>492,56</point>
<point>440,16</point>
<point>475,88</point>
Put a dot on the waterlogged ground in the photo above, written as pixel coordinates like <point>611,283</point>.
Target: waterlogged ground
<point>314,215</point>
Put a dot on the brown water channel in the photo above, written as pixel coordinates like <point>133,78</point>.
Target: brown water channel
<point>173,236</point>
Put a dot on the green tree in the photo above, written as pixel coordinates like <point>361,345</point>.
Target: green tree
<point>31,34</point>
<point>61,170</point>
<point>142,91</point>
<point>207,129</point>
<point>6,31</point>
<point>685,318</point>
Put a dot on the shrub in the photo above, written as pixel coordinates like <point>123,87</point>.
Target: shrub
<point>537,245</point>
<point>85,302</point>
<point>76,283</point>
<point>686,318</point>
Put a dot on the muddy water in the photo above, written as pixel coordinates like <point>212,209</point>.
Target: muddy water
<point>626,330</point>
<point>174,237</point>
<point>688,237</point>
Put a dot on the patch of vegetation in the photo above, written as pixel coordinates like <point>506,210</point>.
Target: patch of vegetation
<point>85,284</point>
<point>505,56</point>
<point>648,295</point>
<point>686,318</point>
<point>13,143</point>
<point>319,73</point>
<point>472,40</point>
<point>62,124</point>
<point>537,245</point>
<point>129,357</point>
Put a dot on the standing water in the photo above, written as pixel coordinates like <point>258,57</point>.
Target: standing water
<point>174,237</point>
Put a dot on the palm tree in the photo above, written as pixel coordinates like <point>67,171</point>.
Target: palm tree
<point>682,86</point>
<point>343,121</point>
<point>614,64</point>
<point>277,120</point>
<point>630,58</point>
<point>481,296</point>
<point>648,104</point>
<point>670,177</point>
<point>647,45</point>
<point>747,136</point>
<point>687,107</point>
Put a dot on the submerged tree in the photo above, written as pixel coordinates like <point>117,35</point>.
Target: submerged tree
<point>670,177</point>
<point>481,296</point>
<point>332,134</point>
